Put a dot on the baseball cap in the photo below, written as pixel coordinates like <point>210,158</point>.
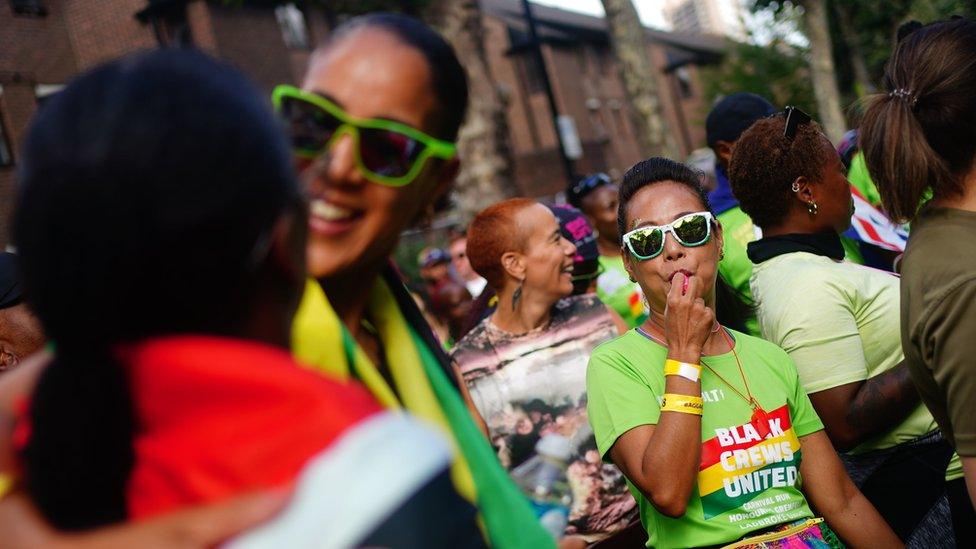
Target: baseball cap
<point>432,256</point>
<point>733,115</point>
<point>577,192</point>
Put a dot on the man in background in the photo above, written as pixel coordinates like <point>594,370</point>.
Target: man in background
<point>462,267</point>
<point>597,197</point>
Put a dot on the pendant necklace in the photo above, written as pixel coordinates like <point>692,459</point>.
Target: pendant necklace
<point>760,417</point>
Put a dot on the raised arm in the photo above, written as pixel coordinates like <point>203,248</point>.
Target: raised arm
<point>662,460</point>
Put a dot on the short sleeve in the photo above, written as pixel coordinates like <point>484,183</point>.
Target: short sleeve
<point>819,332</point>
<point>804,418</point>
<point>618,399</point>
<point>950,342</point>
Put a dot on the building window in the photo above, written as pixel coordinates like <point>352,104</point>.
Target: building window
<point>6,158</point>
<point>684,82</point>
<point>29,8</point>
<point>169,22</point>
<point>294,31</point>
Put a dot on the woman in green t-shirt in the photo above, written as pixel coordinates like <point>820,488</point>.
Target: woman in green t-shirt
<point>708,424</point>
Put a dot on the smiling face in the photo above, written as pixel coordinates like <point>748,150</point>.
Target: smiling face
<point>354,224</point>
<point>547,258</point>
<point>660,204</point>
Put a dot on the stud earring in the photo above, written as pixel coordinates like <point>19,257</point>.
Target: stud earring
<point>812,207</point>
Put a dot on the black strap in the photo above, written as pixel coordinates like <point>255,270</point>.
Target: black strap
<point>416,320</point>
<point>825,244</point>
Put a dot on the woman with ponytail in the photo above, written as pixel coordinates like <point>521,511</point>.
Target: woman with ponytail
<point>919,139</point>
<point>162,240</point>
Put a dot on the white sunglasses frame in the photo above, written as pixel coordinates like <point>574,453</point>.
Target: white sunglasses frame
<point>669,228</point>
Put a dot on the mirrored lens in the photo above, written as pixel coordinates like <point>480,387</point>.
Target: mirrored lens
<point>309,126</point>
<point>691,230</point>
<point>388,153</point>
<point>646,243</point>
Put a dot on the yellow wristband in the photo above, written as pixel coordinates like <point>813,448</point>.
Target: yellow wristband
<point>682,403</point>
<point>684,369</point>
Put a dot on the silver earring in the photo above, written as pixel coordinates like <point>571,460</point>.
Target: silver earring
<point>796,187</point>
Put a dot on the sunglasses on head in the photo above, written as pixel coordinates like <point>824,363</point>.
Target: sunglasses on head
<point>694,229</point>
<point>794,119</point>
<point>387,152</point>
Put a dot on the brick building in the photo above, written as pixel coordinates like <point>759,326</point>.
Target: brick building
<point>588,88</point>
<point>43,43</point>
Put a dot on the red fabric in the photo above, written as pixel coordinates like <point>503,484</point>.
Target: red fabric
<point>219,417</point>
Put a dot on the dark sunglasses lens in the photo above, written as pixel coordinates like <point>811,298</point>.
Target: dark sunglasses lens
<point>388,153</point>
<point>647,243</point>
<point>309,126</point>
<point>794,119</point>
<point>691,230</point>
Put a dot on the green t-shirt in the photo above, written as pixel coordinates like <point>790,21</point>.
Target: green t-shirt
<point>839,322</point>
<point>744,483</point>
<point>859,177</point>
<point>616,291</point>
<point>938,319</point>
<point>736,267</point>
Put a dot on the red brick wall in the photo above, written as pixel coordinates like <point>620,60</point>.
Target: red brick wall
<point>106,29</point>
<point>250,39</point>
<point>33,50</point>
<point>588,87</point>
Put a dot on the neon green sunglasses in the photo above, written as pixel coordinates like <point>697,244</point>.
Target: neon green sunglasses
<point>387,152</point>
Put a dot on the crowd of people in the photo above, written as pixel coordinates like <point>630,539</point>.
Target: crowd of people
<point>205,340</point>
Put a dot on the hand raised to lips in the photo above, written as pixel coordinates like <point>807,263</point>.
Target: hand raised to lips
<point>687,320</point>
<point>684,284</point>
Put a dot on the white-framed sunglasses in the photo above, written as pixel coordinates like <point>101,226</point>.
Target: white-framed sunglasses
<point>694,229</point>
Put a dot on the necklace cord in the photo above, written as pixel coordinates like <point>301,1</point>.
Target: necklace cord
<point>751,400</point>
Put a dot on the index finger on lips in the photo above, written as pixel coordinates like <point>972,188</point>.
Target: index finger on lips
<point>677,282</point>
<point>694,286</point>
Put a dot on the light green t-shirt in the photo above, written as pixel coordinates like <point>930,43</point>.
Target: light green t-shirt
<point>839,322</point>
<point>616,291</point>
<point>736,267</point>
<point>744,483</point>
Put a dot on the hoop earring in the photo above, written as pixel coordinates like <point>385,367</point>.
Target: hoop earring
<point>812,207</point>
<point>796,187</point>
<point>516,296</point>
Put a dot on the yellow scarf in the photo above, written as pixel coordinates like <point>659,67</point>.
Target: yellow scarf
<point>317,342</point>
